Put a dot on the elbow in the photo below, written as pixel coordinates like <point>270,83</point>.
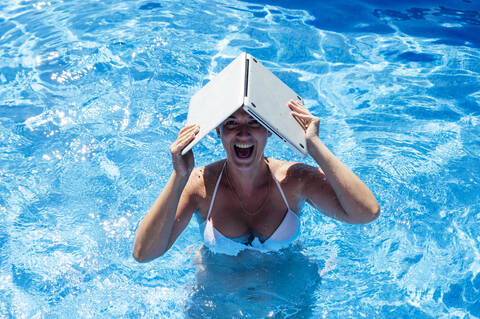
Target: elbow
<point>142,257</point>
<point>139,257</point>
<point>366,216</point>
<point>371,214</point>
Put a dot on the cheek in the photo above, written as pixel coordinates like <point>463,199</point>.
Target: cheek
<point>264,132</point>
<point>225,138</point>
<point>262,135</point>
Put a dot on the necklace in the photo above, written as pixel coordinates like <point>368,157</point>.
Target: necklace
<point>245,210</point>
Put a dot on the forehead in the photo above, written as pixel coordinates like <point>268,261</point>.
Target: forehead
<point>240,113</point>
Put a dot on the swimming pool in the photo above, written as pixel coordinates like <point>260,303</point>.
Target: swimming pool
<point>93,92</point>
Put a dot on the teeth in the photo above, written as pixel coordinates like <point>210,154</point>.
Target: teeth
<point>243,145</point>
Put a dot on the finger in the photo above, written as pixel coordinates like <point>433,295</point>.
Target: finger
<point>187,131</point>
<point>181,143</point>
<point>184,138</point>
<point>299,121</point>
<point>306,117</point>
<point>194,130</point>
<point>187,137</point>
<point>298,107</point>
<point>188,128</point>
<point>296,102</point>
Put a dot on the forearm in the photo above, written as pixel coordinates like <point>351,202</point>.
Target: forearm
<point>354,196</point>
<point>154,231</point>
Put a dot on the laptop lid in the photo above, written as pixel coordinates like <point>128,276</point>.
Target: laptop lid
<point>267,100</point>
<point>246,82</point>
<point>217,100</point>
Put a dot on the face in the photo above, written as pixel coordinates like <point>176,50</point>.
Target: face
<point>243,138</point>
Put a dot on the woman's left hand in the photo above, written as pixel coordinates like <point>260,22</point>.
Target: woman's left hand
<point>309,123</point>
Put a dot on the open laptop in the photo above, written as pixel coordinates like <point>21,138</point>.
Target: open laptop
<point>246,83</point>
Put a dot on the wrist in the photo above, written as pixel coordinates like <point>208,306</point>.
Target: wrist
<point>179,179</point>
<point>313,142</point>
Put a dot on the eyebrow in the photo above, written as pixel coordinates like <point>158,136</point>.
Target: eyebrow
<point>234,117</point>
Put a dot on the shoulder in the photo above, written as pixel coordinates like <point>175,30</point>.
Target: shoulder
<point>202,178</point>
<point>286,171</point>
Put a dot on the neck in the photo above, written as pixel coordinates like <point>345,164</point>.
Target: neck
<point>248,180</point>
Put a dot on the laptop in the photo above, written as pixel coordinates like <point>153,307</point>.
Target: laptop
<point>246,83</point>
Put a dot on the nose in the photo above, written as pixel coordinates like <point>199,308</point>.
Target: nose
<point>243,130</point>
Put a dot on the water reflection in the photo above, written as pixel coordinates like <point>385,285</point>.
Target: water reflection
<point>253,285</point>
<point>448,22</point>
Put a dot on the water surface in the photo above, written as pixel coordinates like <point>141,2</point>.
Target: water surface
<point>93,93</point>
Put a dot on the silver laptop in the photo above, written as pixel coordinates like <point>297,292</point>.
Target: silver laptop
<point>246,83</point>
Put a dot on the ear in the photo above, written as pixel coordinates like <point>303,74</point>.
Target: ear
<point>269,133</point>
<point>219,134</point>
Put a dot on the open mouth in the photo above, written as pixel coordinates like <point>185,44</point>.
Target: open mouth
<point>243,150</point>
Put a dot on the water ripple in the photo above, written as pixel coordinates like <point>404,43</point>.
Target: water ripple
<point>92,94</point>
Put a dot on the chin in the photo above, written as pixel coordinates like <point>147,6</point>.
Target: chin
<point>245,163</point>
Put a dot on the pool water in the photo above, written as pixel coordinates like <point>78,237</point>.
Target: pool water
<point>93,92</point>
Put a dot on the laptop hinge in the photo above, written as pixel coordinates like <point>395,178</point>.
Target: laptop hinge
<point>246,77</point>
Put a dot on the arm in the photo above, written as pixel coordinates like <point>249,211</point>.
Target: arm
<point>173,209</point>
<point>336,189</point>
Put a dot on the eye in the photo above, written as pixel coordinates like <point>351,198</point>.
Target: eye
<point>229,123</point>
<point>254,123</point>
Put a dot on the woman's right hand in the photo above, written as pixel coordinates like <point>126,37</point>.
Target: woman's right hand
<point>183,164</point>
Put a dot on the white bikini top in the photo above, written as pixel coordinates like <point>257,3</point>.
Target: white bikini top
<point>283,236</point>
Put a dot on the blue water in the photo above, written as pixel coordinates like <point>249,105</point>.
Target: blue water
<point>92,93</point>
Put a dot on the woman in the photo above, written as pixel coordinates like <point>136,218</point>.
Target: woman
<point>248,201</point>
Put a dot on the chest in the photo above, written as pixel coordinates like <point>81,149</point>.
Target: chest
<point>235,217</point>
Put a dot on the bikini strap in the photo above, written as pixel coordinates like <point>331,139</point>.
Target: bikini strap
<point>280,189</point>
<point>215,191</point>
